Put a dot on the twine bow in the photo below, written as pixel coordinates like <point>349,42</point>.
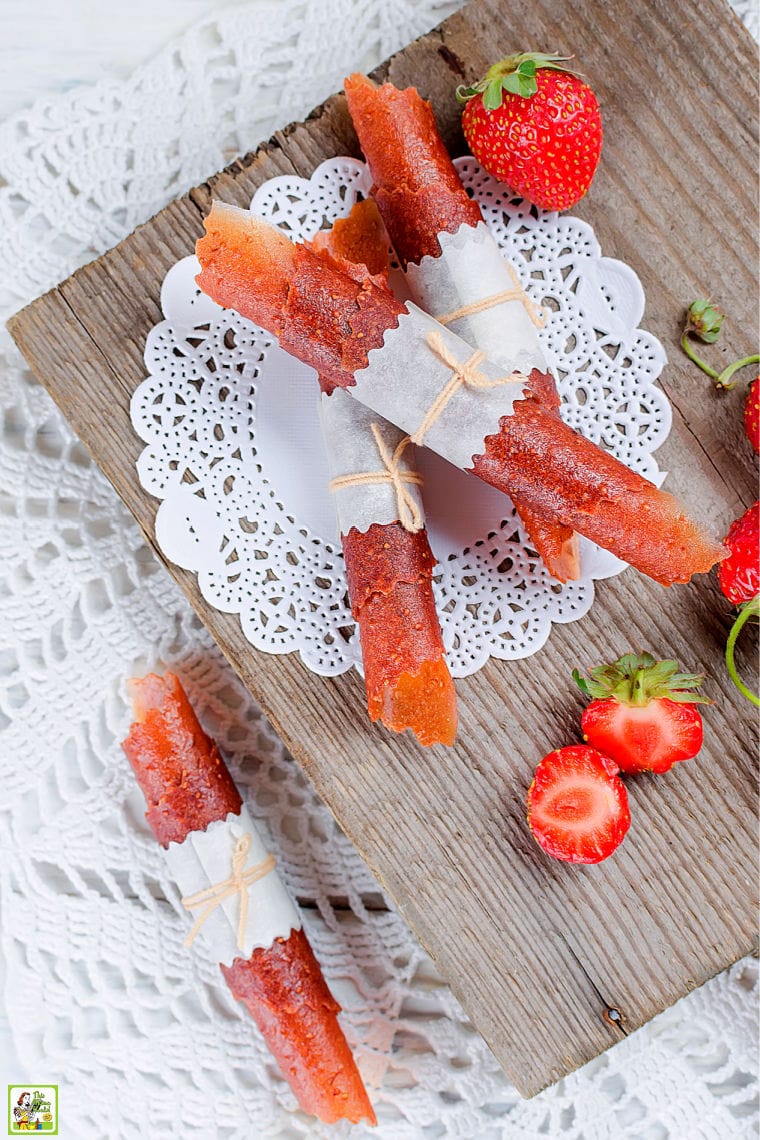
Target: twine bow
<point>465,374</point>
<point>516,293</point>
<point>409,513</point>
<point>238,883</point>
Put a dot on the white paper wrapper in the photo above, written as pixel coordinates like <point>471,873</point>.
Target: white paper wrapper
<point>404,378</point>
<point>203,859</point>
<point>352,449</point>
<point>471,268</point>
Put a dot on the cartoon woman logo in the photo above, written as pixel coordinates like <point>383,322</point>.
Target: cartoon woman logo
<point>25,1114</point>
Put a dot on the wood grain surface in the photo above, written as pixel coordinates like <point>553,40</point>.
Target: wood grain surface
<point>553,963</point>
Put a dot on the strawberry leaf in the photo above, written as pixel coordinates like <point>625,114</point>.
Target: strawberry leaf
<point>638,678</point>
<point>516,74</point>
<point>519,84</point>
<point>581,682</point>
<point>492,95</point>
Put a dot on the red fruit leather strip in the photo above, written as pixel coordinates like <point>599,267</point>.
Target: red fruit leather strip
<point>357,244</point>
<point>390,586</point>
<point>558,472</point>
<point>187,786</point>
<point>381,556</point>
<point>402,651</point>
<point>185,781</point>
<point>419,195</point>
<point>554,469</point>
<point>285,993</point>
<point>317,312</point>
<point>389,569</point>
<point>555,542</point>
<point>417,188</point>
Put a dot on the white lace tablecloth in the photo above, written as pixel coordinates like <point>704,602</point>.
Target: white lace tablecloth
<point>99,994</point>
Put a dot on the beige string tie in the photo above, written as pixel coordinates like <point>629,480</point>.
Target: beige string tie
<point>517,293</point>
<point>237,884</point>
<point>463,375</point>
<point>409,513</point>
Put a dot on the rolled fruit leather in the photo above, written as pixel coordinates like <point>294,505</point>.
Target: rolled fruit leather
<point>197,815</point>
<point>389,563</point>
<point>454,269</point>
<point>360,338</point>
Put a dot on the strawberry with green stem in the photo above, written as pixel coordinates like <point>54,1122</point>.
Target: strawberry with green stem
<point>739,579</point>
<point>703,322</point>
<point>535,126</point>
<point>642,712</point>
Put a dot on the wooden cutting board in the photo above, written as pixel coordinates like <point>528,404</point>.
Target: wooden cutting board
<point>553,963</point>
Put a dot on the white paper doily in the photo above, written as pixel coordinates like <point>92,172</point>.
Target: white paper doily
<point>235,453</point>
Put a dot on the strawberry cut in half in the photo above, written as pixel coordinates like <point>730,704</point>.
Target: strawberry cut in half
<point>642,714</point>
<point>577,805</point>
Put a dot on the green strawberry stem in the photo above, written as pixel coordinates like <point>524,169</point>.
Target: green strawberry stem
<point>727,373</point>
<point>703,322</point>
<point>686,346</point>
<point>748,610</point>
<point>721,378</point>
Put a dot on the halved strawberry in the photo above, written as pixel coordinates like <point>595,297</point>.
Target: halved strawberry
<point>577,805</point>
<point>643,714</point>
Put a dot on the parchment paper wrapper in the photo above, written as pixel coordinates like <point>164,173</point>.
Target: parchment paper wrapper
<point>352,449</point>
<point>470,268</point>
<point>203,859</point>
<point>404,378</point>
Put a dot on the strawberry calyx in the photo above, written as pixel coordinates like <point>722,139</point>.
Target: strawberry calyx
<point>636,679</point>
<point>515,74</point>
<point>703,322</point>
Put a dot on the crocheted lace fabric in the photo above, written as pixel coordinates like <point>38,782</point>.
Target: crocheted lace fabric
<point>99,991</point>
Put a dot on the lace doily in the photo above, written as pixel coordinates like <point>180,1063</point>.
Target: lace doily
<point>99,993</point>
<point>235,452</point>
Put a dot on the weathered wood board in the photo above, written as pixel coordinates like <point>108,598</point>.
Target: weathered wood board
<point>539,953</point>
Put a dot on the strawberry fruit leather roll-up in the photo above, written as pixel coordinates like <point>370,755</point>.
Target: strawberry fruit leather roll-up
<point>420,196</point>
<point>389,566</point>
<point>188,787</point>
<point>332,323</point>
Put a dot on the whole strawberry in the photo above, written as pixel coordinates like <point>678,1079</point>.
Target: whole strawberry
<point>739,579</point>
<point>642,714</point>
<point>739,574</point>
<point>535,126</point>
<point>752,414</point>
